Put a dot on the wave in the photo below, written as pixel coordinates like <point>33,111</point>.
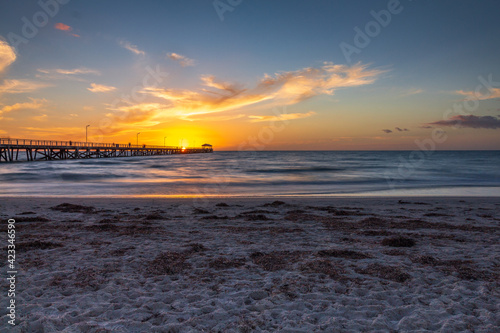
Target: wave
<point>78,177</point>
<point>295,170</point>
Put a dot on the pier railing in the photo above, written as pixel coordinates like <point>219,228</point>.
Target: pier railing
<point>37,150</point>
<point>52,143</point>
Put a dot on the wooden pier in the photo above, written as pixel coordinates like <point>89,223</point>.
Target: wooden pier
<point>50,150</point>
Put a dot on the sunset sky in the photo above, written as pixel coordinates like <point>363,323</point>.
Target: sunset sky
<point>253,74</point>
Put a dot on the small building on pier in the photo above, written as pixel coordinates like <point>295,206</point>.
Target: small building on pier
<point>207,146</point>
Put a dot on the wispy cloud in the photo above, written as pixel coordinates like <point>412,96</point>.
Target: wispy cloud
<point>281,117</point>
<point>134,116</point>
<point>20,86</point>
<point>42,117</point>
<point>77,74</point>
<point>412,91</point>
<point>74,71</point>
<point>62,26</point>
<point>98,88</point>
<point>283,88</point>
<point>182,60</point>
<point>33,105</point>
<point>132,48</point>
<point>387,131</point>
<point>7,55</point>
<point>217,118</point>
<point>487,122</point>
<point>492,93</point>
<point>66,28</point>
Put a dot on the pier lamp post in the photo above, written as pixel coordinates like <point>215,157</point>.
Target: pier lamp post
<point>138,138</point>
<point>86,131</point>
<point>164,138</point>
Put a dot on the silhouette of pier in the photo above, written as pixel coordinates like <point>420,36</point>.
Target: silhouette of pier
<point>50,150</point>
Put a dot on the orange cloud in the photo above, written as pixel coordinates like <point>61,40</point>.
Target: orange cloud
<point>492,93</point>
<point>218,96</point>
<point>42,117</point>
<point>63,27</point>
<point>20,86</point>
<point>34,105</point>
<point>131,117</point>
<point>183,60</point>
<point>7,55</point>
<point>281,117</point>
<point>94,87</point>
<point>283,88</point>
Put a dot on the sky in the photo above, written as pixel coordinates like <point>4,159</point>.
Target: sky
<point>253,75</point>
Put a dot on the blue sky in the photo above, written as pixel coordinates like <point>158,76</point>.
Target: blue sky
<point>419,62</point>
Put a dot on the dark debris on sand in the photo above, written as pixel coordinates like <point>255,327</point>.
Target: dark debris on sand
<point>464,269</point>
<point>102,227</point>
<point>109,220</point>
<point>347,254</point>
<point>71,208</point>
<point>276,203</point>
<point>196,247</point>
<point>200,211</point>
<point>155,216</point>
<point>37,244</point>
<point>222,204</point>
<point>381,224</point>
<point>30,219</point>
<point>224,263</point>
<point>168,263</point>
<point>274,261</point>
<point>138,230</point>
<point>121,252</point>
<point>214,217</point>
<point>338,212</point>
<point>272,230</point>
<point>398,242</point>
<point>254,217</point>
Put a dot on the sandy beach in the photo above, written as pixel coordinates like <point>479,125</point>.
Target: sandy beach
<point>255,265</point>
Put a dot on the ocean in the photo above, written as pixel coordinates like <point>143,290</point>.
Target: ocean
<point>263,173</point>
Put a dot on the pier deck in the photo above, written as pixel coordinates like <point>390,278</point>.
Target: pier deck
<point>49,150</point>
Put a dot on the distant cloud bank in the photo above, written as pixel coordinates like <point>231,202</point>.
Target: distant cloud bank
<point>470,121</point>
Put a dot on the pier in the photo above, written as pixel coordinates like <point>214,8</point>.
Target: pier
<point>50,150</point>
